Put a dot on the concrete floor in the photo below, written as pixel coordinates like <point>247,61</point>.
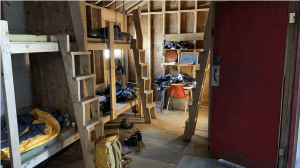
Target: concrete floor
<point>162,144</point>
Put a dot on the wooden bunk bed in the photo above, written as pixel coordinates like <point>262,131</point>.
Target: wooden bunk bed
<point>13,44</point>
<point>81,85</point>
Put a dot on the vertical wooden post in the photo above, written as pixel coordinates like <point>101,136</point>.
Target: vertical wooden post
<point>110,46</point>
<point>149,36</point>
<point>179,17</point>
<point>195,24</point>
<point>9,98</point>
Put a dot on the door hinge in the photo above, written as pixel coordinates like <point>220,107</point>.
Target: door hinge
<point>281,152</point>
<point>292,18</point>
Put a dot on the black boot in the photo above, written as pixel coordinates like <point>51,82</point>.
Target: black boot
<point>132,140</point>
<point>139,134</point>
<point>125,124</point>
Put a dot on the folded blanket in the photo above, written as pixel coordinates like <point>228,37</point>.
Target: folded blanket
<point>35,128</point>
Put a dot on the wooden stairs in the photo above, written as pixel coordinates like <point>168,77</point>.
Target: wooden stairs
<point>141,67</point>
<point>144,81</point>
<point>191,122</point>
<point>85,104</point>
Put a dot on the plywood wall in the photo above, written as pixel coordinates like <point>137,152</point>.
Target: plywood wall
<point>49,81</point>
<point>187,25</point>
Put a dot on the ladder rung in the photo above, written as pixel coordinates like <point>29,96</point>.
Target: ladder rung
<point>148,91</point>
<point>149,105</point>
<point>89,99</point>
<point>146,78</point>
<point>91,122</point>
<point>144,64</point>
<point>79,53</point>
<point>84,76</point>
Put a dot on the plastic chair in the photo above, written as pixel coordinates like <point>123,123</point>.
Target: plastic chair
<point>177,91</point>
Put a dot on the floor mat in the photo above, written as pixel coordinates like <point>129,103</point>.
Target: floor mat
<point>196,162</point>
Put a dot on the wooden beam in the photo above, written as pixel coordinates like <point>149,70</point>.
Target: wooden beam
<point>138,28</point>
<point>149,38</point>
<point>112,70</point>
<point>78,15</point>
<point>32,38</point>
<point>118,4</point>
<point>137,6</point>
<point>179,16</point>
<point>128,5</point>
<point>183,37</point>
<point>289,79</point>
<point>9,97</point>
<point>160,13</point>
<point>33,47</point>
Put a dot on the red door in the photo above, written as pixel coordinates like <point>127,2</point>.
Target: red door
<point>245,106</point>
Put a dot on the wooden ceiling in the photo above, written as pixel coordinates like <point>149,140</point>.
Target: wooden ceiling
<point>119,5</point>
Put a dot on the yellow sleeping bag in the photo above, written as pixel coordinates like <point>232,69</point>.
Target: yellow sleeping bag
<point>51,131</point>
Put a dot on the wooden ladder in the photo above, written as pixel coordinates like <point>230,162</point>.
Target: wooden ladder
<point>84,104</point>
<point>141,67</point>
<point>191,122</point>
<point>144,81</point>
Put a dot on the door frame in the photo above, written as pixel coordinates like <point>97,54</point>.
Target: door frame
<point>288,81</point>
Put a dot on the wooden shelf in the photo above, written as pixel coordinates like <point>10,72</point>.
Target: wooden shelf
<point>201,50</point>
<point>167,64</point>
<point>121,108</point>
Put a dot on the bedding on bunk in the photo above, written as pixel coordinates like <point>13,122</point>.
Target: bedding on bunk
<point>103,33</point>
<point>35,128</point>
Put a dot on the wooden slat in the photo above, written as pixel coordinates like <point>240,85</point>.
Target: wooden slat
<point>137,6</point>
<point>33,47</point>
<point>32,38</point>
<point>49,151</point>
<point>96,46</point>
<point>183,37</point>
<point>84,76</point>
<point>9,98</point>
<point>79,53</point>
<point>160,13</point>
<point>128,5</point>
<point>91,123</point>
<point>148,91</point>
<point>89,99</point>
<point>117,5</point>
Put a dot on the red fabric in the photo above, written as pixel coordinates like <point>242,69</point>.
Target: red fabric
<point>245,108</point>
<point>177,91</point>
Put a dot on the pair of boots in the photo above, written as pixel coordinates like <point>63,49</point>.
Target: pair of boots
<point>133,139</point>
